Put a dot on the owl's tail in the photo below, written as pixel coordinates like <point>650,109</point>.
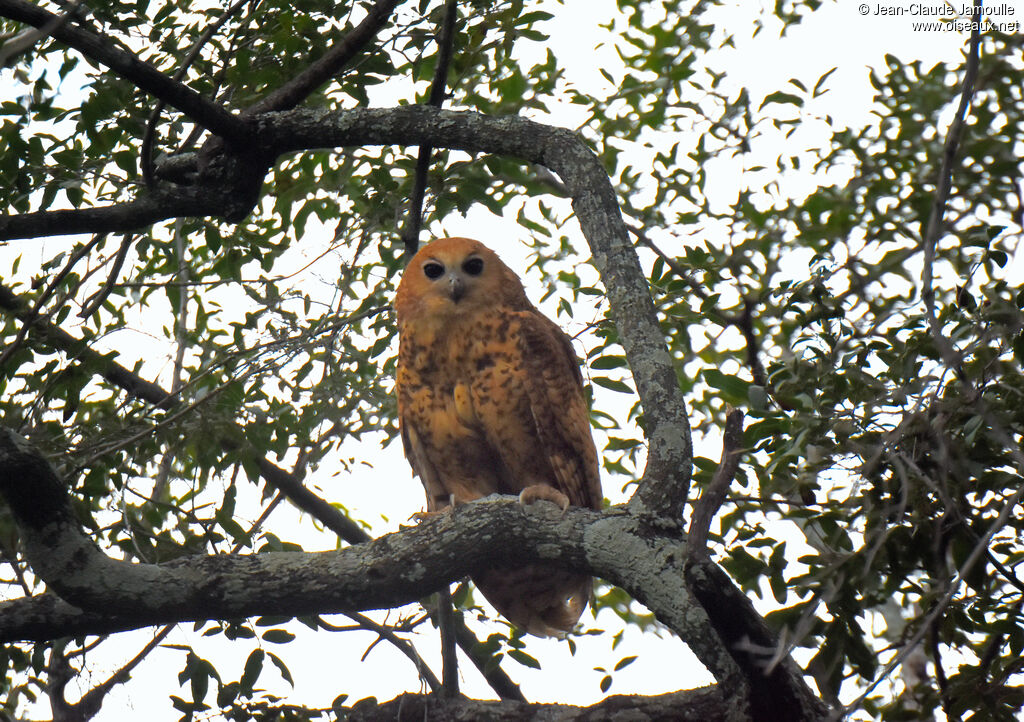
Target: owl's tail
<point>543,600</point>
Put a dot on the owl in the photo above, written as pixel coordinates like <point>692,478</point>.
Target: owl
<point>490,400</point>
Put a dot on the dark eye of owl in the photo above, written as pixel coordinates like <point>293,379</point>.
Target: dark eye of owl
<point>473,266</point>
<point>433,270</point>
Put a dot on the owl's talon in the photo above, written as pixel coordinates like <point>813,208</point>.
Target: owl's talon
<point>542,491</point>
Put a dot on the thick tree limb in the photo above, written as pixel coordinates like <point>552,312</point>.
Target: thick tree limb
<point>776,692</point>
<point>694,705</point>
<point>387,572</point>
<point>144,211</point>
<point>102,50</point>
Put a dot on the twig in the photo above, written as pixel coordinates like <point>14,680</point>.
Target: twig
<point>681,273</point>
<point>327,66</point>
<point>714,496</point>
<point>414,216</point>
<point>743,321</point>
<point>93,303</point>
<point>89,705</point>
<point>403,645</point>
<point>33,313</point>
<point>181,340</point>
<point>942,188</point>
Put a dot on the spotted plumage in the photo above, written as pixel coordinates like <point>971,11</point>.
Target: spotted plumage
<point>490,400</point>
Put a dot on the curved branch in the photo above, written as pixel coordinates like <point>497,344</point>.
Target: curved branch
<point>215,118</point>
<point>663,491</point>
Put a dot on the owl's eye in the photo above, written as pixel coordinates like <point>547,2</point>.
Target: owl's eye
<point>433,270</point>
<point>473,266</point>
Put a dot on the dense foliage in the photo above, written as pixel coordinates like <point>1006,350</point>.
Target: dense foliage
<point>866,319</point>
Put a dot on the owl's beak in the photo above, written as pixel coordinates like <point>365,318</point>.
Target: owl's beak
<point>456,288</point>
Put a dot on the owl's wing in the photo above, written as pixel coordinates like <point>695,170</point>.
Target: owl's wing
<point>422,467</point>
<point>529,405</point>
<point>559,409</point>
<point>412,443</point>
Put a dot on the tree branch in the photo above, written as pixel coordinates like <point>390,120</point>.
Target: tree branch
<point>776,692</point>
<point>154,394</point>
<point>387,572</point>
<point>286,482</point>
<point>694,705</point>
<point>438,89</point>
<point>146,149</point>
<point>943,184</point>
<point>215,118</point>
<point>145,210</point>
<point>714,496</point>
<point>11,48</point>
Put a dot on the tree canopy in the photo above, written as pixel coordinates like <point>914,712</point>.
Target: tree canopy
<point>205,211</point>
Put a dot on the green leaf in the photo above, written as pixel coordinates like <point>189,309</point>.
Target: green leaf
<point>624,662</point>
<point>277,636</point>
<point>781,98</point>
<point>523,658</point>
<point>612,384</point>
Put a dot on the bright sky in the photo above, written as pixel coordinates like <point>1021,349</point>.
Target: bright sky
<point>323,665</point>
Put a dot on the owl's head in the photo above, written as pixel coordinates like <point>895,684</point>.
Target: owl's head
<point>454,276</point>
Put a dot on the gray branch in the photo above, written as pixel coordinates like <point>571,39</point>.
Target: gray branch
<point>693,705</point>
<point>395,569</point>
<point>387,572</point>
<point>233,179</point>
